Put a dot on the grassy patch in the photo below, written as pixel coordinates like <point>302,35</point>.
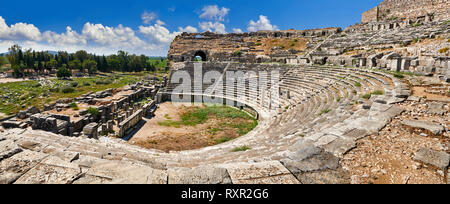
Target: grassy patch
<point>325,111</point>
<point>17,96</point>
<point>170,123</point>
<point>74,106</point>
<point>377,92</point>
<point>229,118</point>
<point>93,111</point>
<point>241,149</point>
<point>398,75</point>
<point>366,96</point>
<point>357,84</point>
<point>223,140</point>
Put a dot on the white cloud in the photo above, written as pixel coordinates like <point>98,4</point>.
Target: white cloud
<point>262,24</point>
<point>119,36</point>
<point>159,22</point>
<point>237,30</point>
<point>67,38</point>
<point>158,34</point>
<point>188,29</point>
<point>95,38</point>
<point>18,31</point>
<point>213,27</point>
<point>148,17</point>
<point>212,12</point>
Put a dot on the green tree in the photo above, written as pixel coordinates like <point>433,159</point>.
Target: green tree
<point>13,56</point>
<point>51,64</point>
<point>81,55</point>
<point>76,64</point>
<point>114,64</point>
<point>63,72</point>
<point>3,61</point>
<point>91,66</point>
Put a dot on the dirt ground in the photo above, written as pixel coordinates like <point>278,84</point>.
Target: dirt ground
<point>7,80</point>
<point>155,136</point>
<point>388,157</point>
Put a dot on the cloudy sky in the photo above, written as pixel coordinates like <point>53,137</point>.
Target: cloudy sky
<point>147,26</point>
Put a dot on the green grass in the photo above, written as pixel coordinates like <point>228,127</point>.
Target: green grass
<point>241,149</point>
<point>17,96</point>
<point>357,84</point>
<point>170,123</point>
<point>199,115</point>
<point>223,140</point>
<point>398,75</point>
<point>325,111</point>
<point>93,111</point>
<point>443,50</point>
<point>167,117</point>
<point>74,106</point>
<point>366,96</point>
<point>377,92</point>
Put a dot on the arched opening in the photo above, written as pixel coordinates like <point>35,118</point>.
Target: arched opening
<point>200,56</point>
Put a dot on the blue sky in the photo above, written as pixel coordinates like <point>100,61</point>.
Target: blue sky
<point>148,27</point>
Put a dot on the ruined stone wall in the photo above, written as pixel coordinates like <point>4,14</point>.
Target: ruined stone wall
<point>370,15</point>
<point>244,47</point>
<point>130,122</point>
<point>408,9</point>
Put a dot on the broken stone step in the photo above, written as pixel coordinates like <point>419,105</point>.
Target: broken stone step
<point>433,128</point>
<point>432,157</point>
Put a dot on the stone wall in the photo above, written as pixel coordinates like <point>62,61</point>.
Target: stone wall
<point>130,122</point>
<point>408,9</point>
<point>370,15</point>
<point>243,47</point>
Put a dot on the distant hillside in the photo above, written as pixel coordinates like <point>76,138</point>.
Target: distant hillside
<point>50,52</point>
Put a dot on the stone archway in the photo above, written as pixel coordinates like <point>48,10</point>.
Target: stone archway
<point>200,55</point>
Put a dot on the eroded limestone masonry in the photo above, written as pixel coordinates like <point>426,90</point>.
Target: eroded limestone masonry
<point>412,9</point>
<point>245,47</point>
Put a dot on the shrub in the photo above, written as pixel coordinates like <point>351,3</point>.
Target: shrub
<point>237,53</point>
<point>258,44</point>
<point>86,83</point>
<point>357,84</point>
<point>68,89</point>
<point>377,92</point>
<point>54,90</point>
<point>444,50</point>
<point>399,75</point>
<point>63,73</point>
<point>366,96</point>
<point>93,111</point>
<point>74,84</point>
<point>74,106</point>
<point>104,81</point>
